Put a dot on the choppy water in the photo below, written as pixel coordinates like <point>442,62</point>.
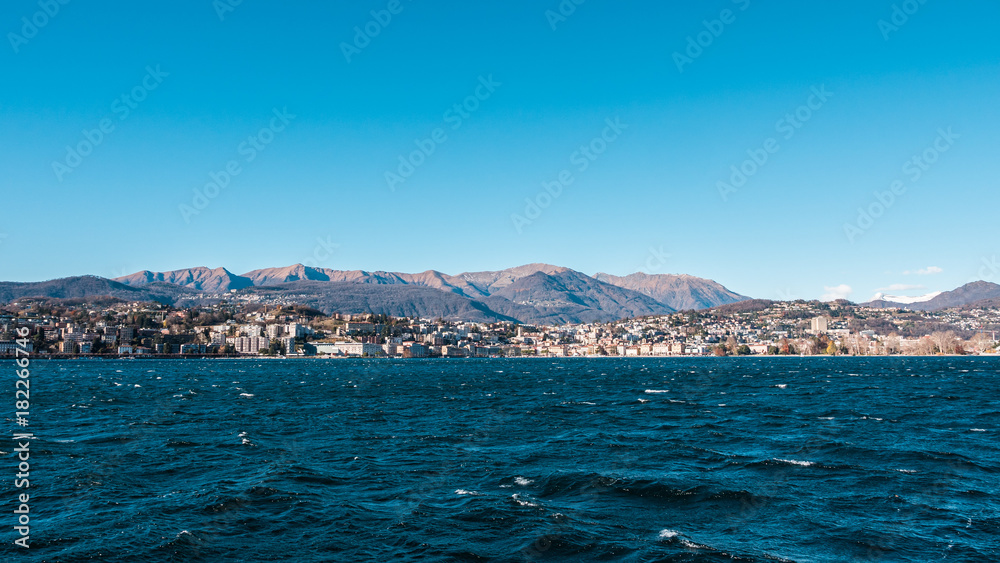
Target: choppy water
<point>513,460</point>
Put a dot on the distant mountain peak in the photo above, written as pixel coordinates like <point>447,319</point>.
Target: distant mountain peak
<point>535,292</point>
<point>201,278</point>
<point>906,299</point>
<point>679,291</point>
<point>295,272</point>
<point>965,295</point>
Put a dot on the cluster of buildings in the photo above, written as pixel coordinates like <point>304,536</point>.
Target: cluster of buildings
<point>764,328</point>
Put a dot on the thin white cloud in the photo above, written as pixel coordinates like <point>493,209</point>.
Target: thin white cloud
<point>842,291</point>
<point>901,287</point>
<point>928,271</point>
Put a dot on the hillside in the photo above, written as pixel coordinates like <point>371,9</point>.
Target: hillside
<point>204,279</point>
<point>83,287</point>
<point>967,294</point>
<point>680,292</point>
<point>391,299</point>
<point>570,296</point>
<point>533,293</point>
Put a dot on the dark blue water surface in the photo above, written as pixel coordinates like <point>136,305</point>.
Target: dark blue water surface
<point>777,459</point>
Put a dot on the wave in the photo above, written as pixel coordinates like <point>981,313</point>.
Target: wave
<point>387,471</point>
<point>796,462</point>
<point>594,486</point>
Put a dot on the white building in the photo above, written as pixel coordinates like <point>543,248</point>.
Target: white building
<point>249,344</point>
<point>359,349</point>
<point>297,330</point>
<point>818,325</point>
<point>251,330</point>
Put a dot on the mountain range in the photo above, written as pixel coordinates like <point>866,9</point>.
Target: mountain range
<point>534,293</point>
<point>977,293</point>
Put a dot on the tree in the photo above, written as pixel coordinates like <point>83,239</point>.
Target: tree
<point>924,347</point>
<point>744,350</point>
<point>891,344</point>
<point>981,342</point>
<point>38,342</point>
<point>945,342</point>
<point>831,348</point>
<point>856,344</point>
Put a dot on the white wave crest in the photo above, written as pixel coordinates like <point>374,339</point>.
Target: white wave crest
<point>796,462</point>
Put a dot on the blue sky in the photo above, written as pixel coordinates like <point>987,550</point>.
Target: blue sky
<point>310,117</point>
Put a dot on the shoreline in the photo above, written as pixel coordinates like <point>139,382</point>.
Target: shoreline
<point>148,357</point>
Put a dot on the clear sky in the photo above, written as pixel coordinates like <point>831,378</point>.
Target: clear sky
<point>310,115</point>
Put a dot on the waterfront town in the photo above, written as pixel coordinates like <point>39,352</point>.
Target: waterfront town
<point>111,328</point>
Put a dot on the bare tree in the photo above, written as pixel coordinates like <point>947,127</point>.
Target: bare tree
<point>924,347</point>
<point>981,342</point>
<point>951,342</point>
<point>945,342</point>
<point>857,345</point>
<point>891,344</point>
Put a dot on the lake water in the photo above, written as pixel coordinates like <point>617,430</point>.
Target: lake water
<point>707,459</point>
